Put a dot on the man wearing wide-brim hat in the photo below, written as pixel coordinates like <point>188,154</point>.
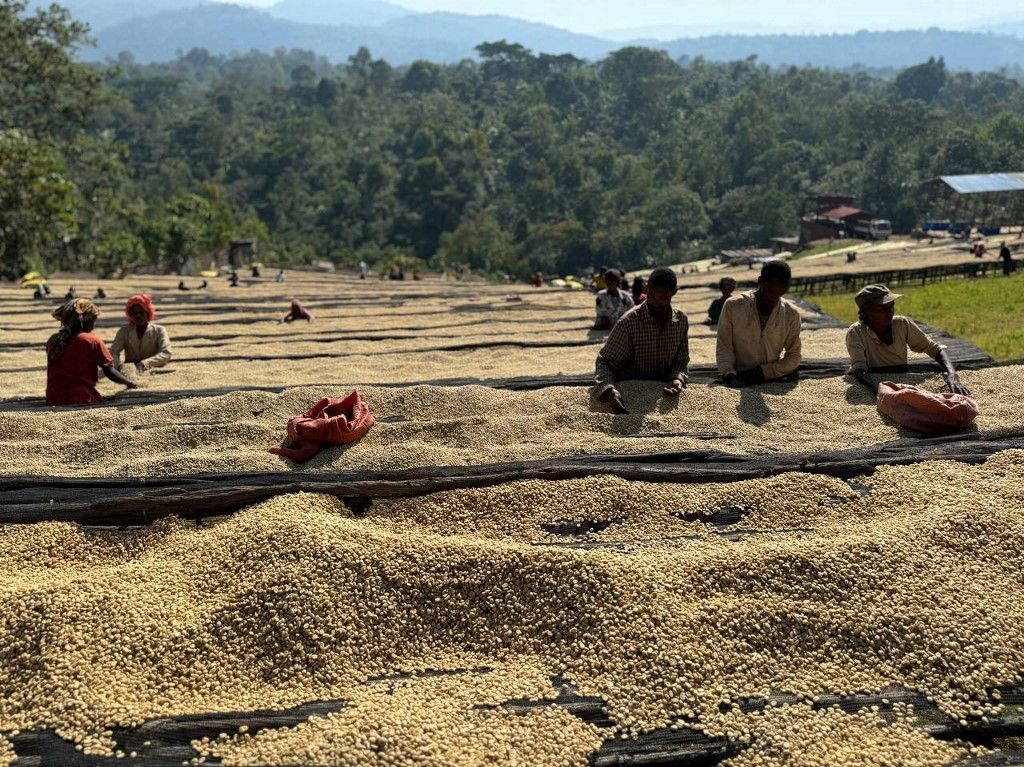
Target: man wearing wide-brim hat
<point>880,340</point>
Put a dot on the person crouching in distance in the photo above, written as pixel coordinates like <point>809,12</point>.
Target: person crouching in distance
<point>143,343</point>
<point>728,286</point>
<point>75,354</point>
<point>297,312</point>
<point>612,302</point>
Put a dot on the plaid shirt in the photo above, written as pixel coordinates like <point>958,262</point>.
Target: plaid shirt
<point>640,348</point>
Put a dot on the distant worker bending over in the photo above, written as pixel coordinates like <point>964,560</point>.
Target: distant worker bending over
<point>728,286</point>
<point>74,354</point>
<point>612,302</point>
<point>880,340</point>
<point>759,332</point>
<point>650,342</point>
<point>297,312</point>
<point>143,343</point>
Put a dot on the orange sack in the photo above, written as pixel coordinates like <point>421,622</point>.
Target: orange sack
<point>925,411</point>
<point>329,422</point>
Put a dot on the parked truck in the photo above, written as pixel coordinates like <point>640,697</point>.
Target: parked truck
<point>872,229</point>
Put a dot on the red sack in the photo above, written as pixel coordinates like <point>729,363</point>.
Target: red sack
<point>329,422</point>
<point>925,411</point>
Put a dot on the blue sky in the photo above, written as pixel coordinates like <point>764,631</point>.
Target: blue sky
<point>739,15</point>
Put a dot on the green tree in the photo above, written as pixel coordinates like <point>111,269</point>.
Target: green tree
<point>182,233</point>
<point>480,242</point>
<point>44,92</point>
<point>37,203</point>
<point>922,82</point>
<point>46,98</point>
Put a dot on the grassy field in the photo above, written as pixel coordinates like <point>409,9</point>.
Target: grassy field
<point>987,312</point>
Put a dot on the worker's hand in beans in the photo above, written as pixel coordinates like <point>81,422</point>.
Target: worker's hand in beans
<point>131,385</point>
<point>675,387</point>
<point>140,368</point>
<point>733,380</point>
<point>614,398</point>
<point>751,377</point>
<point>953,382</point>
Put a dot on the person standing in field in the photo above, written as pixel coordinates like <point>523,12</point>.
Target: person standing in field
<point>1007,258</point>
<point>612,302</point>
<point>880,339</point>
<point>759,332</point>
<point>650,342</point>
<point>142,341</point>
<point>74,354</point>
<point>728,286</point>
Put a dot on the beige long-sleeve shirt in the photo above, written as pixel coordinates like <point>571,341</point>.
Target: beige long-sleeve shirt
<point>744,345</point>
<point>153,350</point>
<point>867,350</point>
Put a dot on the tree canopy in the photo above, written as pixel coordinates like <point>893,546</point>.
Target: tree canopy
<point>510,164</point>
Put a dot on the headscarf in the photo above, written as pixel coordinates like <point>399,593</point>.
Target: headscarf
<point>72,315</point>
<point>146,302</point>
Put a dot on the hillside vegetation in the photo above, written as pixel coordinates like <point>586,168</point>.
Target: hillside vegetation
<point>516,163</point>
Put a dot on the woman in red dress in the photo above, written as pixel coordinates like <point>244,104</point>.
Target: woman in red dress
<point>74,354</point>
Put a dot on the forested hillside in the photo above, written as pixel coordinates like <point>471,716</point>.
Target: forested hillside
<point>515,163</point>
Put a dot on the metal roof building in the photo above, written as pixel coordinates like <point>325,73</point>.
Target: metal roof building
<point>843,212</point>
<point>983,183</point>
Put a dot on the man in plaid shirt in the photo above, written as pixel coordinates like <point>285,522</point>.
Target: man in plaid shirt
<point>650,342</point>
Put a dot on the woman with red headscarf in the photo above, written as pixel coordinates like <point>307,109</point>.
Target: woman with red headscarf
<point>74,354</point>
<point>143,342</point>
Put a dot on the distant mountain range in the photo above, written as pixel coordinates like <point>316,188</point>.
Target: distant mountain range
<point>162,29</point>
<point>975,51</point>
<point>359,13</point>
<point>226,29</point>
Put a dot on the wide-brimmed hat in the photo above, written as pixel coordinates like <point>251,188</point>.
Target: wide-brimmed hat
<point>875,295</point>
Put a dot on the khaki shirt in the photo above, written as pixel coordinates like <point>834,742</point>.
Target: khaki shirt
<point>867,350</point>
<point>153,350</point>
<point>743,345</point>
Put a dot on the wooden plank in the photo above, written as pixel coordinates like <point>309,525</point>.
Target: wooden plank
<point>140,501</point>
<point>166,742</point>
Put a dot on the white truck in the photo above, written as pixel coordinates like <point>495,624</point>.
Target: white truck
<point>875,229</point>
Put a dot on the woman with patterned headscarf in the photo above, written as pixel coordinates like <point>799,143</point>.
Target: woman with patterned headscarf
<point>143,342</point>
<point>74,354</point>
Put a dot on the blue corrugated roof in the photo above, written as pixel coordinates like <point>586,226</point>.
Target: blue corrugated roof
<point>985,182</point>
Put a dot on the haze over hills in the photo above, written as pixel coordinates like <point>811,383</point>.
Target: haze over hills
<point>161,29</point>
<point>369,13</point>
<point>469,31</point>
<point>100,14</point>
<point>226,29</point>
<point>881,50</point>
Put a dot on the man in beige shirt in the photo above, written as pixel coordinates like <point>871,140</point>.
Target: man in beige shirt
<point>880,340</point>
<point>759,332</point>
<point>142,341</point>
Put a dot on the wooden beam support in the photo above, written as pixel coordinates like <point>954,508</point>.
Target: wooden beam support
<point>140,501</point>
<point>166,742</point>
